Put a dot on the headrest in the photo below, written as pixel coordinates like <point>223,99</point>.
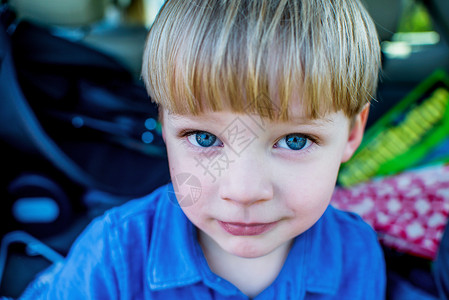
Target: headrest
<point>60,12</point>
<point>386,15</point>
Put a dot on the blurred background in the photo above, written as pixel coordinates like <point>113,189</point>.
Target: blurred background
<point>79,134</point>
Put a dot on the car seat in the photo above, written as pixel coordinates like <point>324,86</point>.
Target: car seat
<point>76,129</point>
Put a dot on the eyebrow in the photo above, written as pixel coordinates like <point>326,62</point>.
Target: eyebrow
<point>298,121</point>
<point>189,120</point>
<point>177,117</point>
<point>305,121</point>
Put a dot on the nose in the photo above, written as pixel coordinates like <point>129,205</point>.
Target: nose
<point>246,182</point>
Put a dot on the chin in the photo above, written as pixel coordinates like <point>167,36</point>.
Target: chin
<point>245,249</point>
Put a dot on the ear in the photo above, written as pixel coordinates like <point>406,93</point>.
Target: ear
<point>356,133</point>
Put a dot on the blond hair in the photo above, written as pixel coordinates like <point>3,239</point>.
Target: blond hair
<point>259,55</point>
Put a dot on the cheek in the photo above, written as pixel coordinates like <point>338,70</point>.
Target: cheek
<point>186,173</point>
<point>178,162</point>
<point>307,204</point>
<point>307,178</point>
<point>309,189</point>
<point>181,161</point>
<point>309,196</point>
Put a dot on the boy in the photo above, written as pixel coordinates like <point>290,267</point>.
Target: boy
<point>260,103</point>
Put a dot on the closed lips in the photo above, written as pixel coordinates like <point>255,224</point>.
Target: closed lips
<point>245,229</point>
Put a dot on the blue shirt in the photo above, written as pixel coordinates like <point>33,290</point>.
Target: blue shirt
<point>147,249</point>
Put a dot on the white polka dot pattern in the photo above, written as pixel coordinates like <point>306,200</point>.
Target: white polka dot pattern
<point>408,210</point>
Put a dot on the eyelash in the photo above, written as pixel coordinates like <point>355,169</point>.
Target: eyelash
<point>185,133</point>
<point>309,138</point>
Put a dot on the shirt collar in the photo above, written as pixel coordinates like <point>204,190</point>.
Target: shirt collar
<point>171,258</point>
<point>324,255</point>
<point>175,257</point>
<point>315,259</point>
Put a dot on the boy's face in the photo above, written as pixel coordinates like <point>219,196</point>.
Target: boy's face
<point>262,182</point>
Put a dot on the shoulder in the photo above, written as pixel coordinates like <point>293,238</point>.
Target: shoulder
<point>123,229</point>
<point>126,227</point>
<point>136,208</point>
<point>362,257</point>
<point>358,240</point>
<point>345,257</point>
<point>113,250</point>
<point>135,212</point>
<point>350,227</point>
<point>134,217</point>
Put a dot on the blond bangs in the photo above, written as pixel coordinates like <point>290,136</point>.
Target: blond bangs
<point>259,56</point>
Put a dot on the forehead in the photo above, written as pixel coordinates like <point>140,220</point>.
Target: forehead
<point>224,118</point>
<point>270,107</point>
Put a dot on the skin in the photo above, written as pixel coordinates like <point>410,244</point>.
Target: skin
<point>267,182</point>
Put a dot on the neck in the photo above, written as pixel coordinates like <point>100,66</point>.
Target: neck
<point>249,275</point>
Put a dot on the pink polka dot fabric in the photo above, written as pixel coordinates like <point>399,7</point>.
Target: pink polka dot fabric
<point>408,210</point>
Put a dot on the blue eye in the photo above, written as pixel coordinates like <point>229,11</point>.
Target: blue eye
<point>294,141</point>
<point>203,139</point>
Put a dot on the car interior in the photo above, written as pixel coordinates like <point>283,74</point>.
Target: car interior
<point>79,134</point>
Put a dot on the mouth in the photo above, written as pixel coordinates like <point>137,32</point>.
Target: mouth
<point>246,229</point>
